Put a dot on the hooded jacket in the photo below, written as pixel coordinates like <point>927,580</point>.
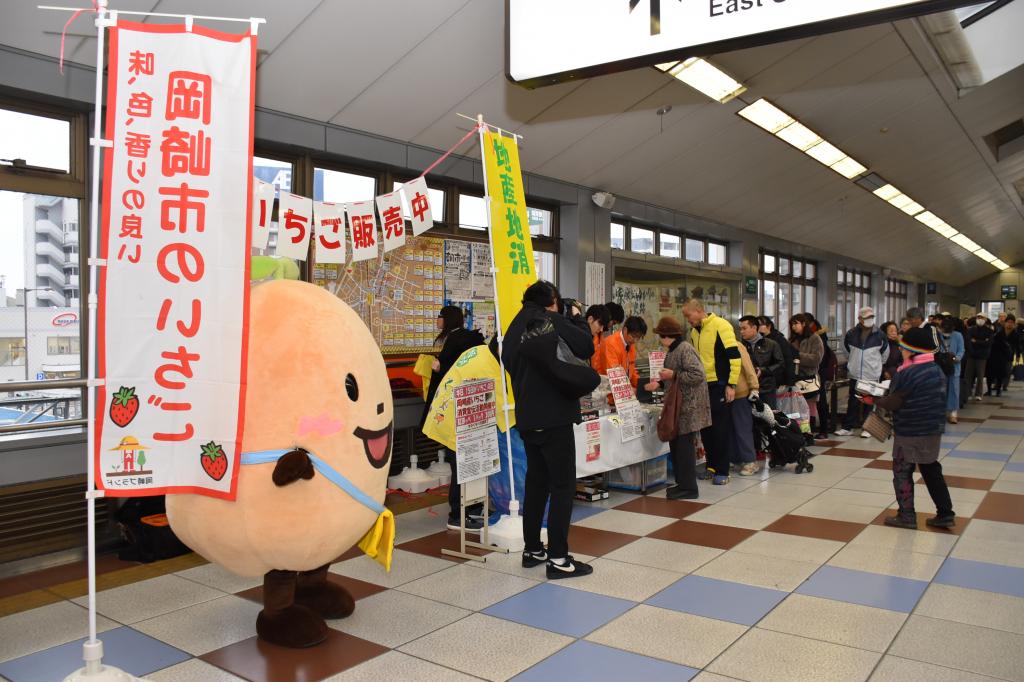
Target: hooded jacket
<point>867,354</point>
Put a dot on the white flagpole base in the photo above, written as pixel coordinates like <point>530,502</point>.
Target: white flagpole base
<point>508,533</point>
<point>413,479</point>
<point>440,469</point>
<point>94,670</point>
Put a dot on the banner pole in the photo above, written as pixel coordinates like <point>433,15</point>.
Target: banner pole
<point>513,502</point>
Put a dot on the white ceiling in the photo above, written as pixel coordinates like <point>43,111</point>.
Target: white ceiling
<point>403,68</point>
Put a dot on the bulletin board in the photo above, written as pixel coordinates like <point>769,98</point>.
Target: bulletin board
<point>399,293</point>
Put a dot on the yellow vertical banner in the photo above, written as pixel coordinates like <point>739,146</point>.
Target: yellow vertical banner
<point>510,225</point>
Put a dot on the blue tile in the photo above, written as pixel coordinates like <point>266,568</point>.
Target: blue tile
<point>977,454</point>
<point>583,510</point>
<point>124,648</point>
<point>560,609</point>
<point>1014,466</point>
<point>584,660</point>
<point>734,602</point>
<point>953,435</point>
<point>999,431</point>
<point>978,575</point>
<point>867,589</point>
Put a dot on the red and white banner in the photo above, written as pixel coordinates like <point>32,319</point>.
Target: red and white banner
<point>392,224</point>
<point>330,232</point>
<point>262,209</point>
<point>363,228</point>
<point>294,224</point>
<point>418,196</point>
<point>173,313</point>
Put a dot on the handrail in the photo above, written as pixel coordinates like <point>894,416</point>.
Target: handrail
<point>11,386</point>
<point>42,426</point>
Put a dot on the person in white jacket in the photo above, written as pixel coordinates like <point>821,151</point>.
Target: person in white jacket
<point>867,348</point>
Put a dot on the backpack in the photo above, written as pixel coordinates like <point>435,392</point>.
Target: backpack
<point>943,358</point>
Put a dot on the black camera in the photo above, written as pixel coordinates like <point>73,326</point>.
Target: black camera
<point>565,306</point>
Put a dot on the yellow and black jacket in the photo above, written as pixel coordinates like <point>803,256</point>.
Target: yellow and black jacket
<point>716,345</point>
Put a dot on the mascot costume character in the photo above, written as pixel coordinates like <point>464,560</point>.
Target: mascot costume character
<point>313,473</point>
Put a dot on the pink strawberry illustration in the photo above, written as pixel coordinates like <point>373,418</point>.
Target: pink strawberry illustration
<point>214,461</point>
<point>124,406</point>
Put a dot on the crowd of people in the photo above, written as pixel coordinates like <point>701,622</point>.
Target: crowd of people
<point>555,352</point>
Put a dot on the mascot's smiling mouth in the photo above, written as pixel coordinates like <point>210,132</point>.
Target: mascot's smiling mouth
<point>377,444</point>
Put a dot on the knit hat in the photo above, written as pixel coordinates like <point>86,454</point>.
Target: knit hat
<point>667,326</point>
<point>918,340</point>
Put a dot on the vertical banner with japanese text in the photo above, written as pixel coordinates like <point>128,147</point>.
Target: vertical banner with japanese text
<point>510,227</point>
<point>172,326</point>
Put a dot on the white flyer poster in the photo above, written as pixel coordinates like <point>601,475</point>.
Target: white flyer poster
<point>172,326</point>
<point>262,209</point>
<point>656,358</point>
<point>415,192</point>
<point>630,415</point>
<point>330,232</point>
<point>362,228</point>
<point>392,224</point>
<point>593,443</point>
<point>295,222</point>
<point>595,284</point>
<point>476,433</point>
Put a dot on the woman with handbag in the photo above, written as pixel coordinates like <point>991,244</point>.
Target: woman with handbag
<point>686,398</point>
<point>809,352</point>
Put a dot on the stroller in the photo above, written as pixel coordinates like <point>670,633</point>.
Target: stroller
<point>780,437</point>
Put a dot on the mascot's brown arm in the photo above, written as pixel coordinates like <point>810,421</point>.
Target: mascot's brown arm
<point>293,466</point>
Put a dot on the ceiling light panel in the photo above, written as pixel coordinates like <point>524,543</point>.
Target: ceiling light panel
<point>704,76</point>
<point>826,153</point>
<point>799,135</point>
<point>886,192</point>
<point>985,255</point>
<point>965,242</point>
<point>764,114</point>
<point>849,168</point>
<point>913,208</point>
<point>930,219</point>
<point>901,201</point>
<point>1000,264</point>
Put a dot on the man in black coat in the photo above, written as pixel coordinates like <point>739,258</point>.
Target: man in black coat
<point>545,416</point>
<point>767,358</point>
<point>979,347</point>
<point>768,331</point>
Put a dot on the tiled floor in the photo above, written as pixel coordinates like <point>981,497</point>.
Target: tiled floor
<point>791,578</point>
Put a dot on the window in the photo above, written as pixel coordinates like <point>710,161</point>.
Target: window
<point>669,245</point>
<point>340,187</point>
<point>39,141</point>
<point>694,250</point>
<point>852,293</point>
<point>787,286</point>
<point>472,212</point>
<point>541,220</point>
<point>896,292</point>
<point>12,351</point>
<point>436,202</point>
<point>546,264</point>
<point>62,345</point>
<point>618,236</point>
<point>716,253</point>
<point>641,240</point>
<point>277,173</point>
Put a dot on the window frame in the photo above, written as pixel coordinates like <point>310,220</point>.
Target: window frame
<point>807,285</point>
<point>658,231</point>
<point>851,296</point>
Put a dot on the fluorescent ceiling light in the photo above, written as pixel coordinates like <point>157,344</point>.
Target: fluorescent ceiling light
<point>984,255</point>
<point>886,192</point>
<point>766,115</point>
<point>913,208</point>
<point>849,168</point>
<point>826,153</point>
<point>966,242</point>
<point>799,135</point>
<point>936,223</point>
<point>901,201</point>
<point>1000,264</point>
<point>702,75</point>
<point>666,66</point>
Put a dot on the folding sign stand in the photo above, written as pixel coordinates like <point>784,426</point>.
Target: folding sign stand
<point>473,491</point>
<point>94,670</point>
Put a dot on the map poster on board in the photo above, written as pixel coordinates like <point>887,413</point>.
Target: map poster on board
<point>476,438</point>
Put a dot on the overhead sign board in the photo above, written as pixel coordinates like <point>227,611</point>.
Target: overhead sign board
<point>550,42</point>
<point>1009,292</point>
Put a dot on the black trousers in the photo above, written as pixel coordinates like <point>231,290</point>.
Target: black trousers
<point>717,438</point>
<point>856,411</point>
<point>684,460</point>
<point>824,416</point>
<point>551,480</point>
<point>903,484</point>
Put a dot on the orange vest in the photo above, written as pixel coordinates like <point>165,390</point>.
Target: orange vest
<point>612,353</point>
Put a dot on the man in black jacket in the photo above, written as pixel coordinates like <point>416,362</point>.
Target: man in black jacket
<point>545,416</point>
<point>979,347</point>
<point>767,358</point>
<point>768,331</point>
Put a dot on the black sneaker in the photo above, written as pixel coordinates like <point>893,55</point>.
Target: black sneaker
<point>570,569</point>
<point>899,521</point>
<point>472,524</point>
<point>941,521</point>
<point>531,559</point>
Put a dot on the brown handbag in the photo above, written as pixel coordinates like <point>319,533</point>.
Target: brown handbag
<point>668,422</point>
<point>878,426</point>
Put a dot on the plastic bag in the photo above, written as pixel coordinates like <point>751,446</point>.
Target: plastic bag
<point>793,404</point>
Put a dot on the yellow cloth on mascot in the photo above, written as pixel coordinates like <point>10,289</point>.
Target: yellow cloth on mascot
<point>475,363</point>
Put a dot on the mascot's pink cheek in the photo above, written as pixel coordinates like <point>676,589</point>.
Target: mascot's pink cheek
<point>321,425</point>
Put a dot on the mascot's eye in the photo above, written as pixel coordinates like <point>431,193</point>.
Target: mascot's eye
<point>352,388</point>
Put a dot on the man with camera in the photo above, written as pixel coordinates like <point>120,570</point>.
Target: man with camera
<point>546,351</point>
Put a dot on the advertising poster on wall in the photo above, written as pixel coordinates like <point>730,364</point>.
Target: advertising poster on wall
<point>476,438</point>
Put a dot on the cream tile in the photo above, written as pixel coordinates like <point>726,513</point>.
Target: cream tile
<point>467,587</point>
<point>895,669</point>
<point>990,442</point>
<point>997,531</point>
<point>737,517</point>
<point>974,607</point>
<point>1011,476</point>
<point>918,541</point>
<point>625,581</point>
<point>395,665</point>
<point>788,546</point>
<point>150,598</point>
<point>875,474</point>
<point>992,542</point>
<point>861,627</point>
<point>487,647</point>
<point>888,562</point>
<point>764,571</point>
<point>219,578</point>
<point>856,497</point>
<point>767,656</point>
<point>405,567</point>
<point>630,523</point>
<point>27,632</point>
<point>966,647</point>
<point>393,618</point>
<point>838,512</point>
<point>202,628</point>
<point>712,677</point>
<point>669,635</point>
<point>193,671</point>
<point>972,468</point>
<point>677,557</point>
<point>1008,486</point>
<point>881,484</point>
<point>773,497</point>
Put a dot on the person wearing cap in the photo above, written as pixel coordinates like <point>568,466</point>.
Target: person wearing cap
<point>866,349</point>
<point>682,364</point>
<point>979,348</point>
<point>917,400</point>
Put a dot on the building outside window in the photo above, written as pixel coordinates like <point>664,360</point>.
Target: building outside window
<point>895,300</point>
<point>786,286</point>
<point>62,345</point>
<point>649,239</point>
<point>853,292</point>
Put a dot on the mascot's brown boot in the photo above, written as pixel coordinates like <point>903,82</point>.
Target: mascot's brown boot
<point>282,621</point>
<point>316,592</point>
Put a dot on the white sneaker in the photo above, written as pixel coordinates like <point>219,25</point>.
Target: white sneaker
<point>843,432</point>
<point>865,434</point>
